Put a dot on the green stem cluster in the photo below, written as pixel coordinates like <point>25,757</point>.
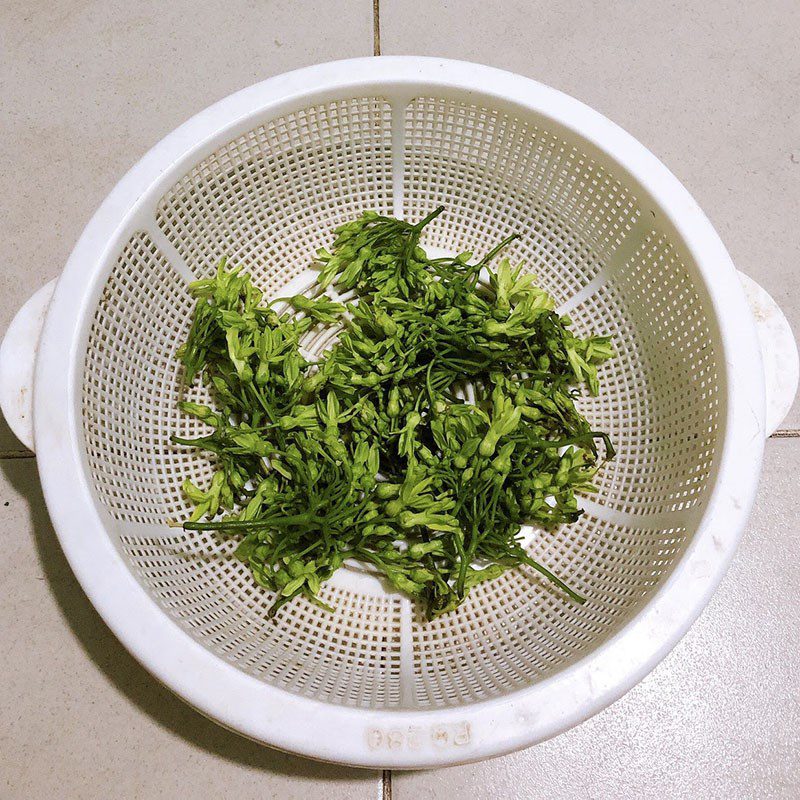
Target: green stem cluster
<point>441,421</point>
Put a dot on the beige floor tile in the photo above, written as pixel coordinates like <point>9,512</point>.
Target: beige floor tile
<point>710,87</point>
<point>80,719</point>
<point>89,87</point>
<point>719,718</point>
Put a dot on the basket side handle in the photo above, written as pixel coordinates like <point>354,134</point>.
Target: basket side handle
<point>778,352</point>
<point>17,362</point>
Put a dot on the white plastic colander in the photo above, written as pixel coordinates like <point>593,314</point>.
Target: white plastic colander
<point>262,177</point>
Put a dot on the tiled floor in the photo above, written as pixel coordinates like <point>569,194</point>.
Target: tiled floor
<point>711,88</point>
<point>81,720</point>
<point>719,718</point>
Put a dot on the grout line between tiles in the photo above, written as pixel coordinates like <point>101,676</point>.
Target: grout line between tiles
<point>376,27</point>
<point>11,454</point>
<point>786,433</point>
<point>386,778</point>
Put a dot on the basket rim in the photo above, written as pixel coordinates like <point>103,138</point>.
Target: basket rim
<point>344,734</point>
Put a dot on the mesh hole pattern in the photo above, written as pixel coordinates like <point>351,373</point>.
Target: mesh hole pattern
<point>515,630</point>
<point>132,383</point>
<point>350,657</point>
<point>660,397</point>
<point>497,175</point>
<point>270,198</point>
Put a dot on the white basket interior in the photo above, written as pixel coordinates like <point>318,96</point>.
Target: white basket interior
<point>268,200</point>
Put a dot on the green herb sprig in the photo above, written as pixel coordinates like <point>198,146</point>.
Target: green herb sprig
<point>441,421</point>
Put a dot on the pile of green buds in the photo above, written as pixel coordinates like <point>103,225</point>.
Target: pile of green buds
<point>441,421</point>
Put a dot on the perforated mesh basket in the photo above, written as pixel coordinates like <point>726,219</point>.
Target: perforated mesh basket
<point>263,177</point>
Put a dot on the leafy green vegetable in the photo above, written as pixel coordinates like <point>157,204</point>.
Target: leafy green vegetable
<point>441,420</point>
